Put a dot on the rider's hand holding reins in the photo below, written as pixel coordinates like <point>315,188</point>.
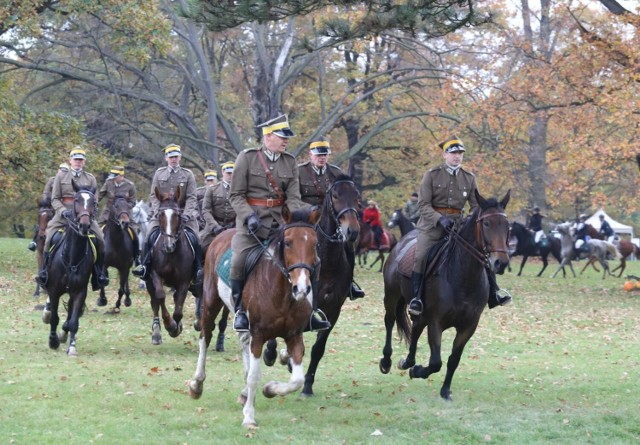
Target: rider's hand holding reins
<point>446,222</point>
<point>253,223</point>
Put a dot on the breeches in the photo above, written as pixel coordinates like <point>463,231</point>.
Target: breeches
<point>241,245</point>
<point>426,240</point>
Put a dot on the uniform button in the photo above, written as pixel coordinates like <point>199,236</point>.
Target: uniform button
<point>270,168</point>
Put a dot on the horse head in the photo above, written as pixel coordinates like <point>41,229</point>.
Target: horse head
<point>169,218</point>
<point>342,203</point>
<point>394,220</point>
<point>492,230</point>
<point>298,248</point>
<point>84,207</point>
<point>119,211</point>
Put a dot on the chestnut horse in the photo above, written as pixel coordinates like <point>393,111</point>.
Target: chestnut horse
<point>119,249</point>
<point>69,269</point>
<point>172,260</point>
<point>45,213</point>
<point>278,299</point>
<point>454,295</point>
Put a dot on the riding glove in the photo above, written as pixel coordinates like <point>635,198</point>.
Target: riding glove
<point>253,223</point>
<point>66,214</point>
<point>185,218</point>
<point>446,222</point>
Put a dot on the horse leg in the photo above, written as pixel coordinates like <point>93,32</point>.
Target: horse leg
<point>295,346</point>
<point>524,260</point>
<point>54,319</point>
<point>416,332</point>
<point>435,360</point>
<point>622,266</point>
<point>252,352</point>
<point>462,337</point>
<point>124,285</point>
<point>317,352</point>
<point>102,299</point>
<point>46,311</point>
<point>174,328</point>
<point>387,350</point>
<point>381,256</point>
<point>545,263</point>
<point>222,327</point>
<point>591,260</point>
<point>156,334</point>
<point>73,322</point>
<point>270,353</point>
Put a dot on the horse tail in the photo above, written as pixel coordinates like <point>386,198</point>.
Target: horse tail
<point>402,321</point>
<point>613,250</point>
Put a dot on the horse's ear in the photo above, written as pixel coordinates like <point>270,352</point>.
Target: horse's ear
<point>505,200</point>
<point>315,214</point>
<point>481,201</point>
<point>156,191</point>
<point>286,214</point>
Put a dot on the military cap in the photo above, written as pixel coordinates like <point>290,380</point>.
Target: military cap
<point>228,167</point>
<point>64,167</point>
<point>172,150</point>
<point>278,126</point>
<point>78,153</point>
<point>210,175</point>
<point>451,144</point>
<point>116,170</point>
<point>320,146</point>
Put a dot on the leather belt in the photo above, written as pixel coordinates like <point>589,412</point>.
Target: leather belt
<point>447,210</point>
<point>270,202</point>
<point>67,200</point>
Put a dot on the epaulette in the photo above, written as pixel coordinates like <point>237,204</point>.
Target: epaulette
<point>252,149</point>
<point>436,168</point>
<point>162,168</point>
<point>466,171</point>
<point>288,154</point>
<point>90,174</point>
<point>128,181</point>
<point>304,164</point>
<point>185,169</point>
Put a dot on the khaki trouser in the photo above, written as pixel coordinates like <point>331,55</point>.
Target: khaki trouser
<point>241,244</point>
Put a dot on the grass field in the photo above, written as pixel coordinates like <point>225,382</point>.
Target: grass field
<point>560,365</point>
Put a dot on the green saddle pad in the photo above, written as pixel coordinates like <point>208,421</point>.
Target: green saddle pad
<point>224,267</point>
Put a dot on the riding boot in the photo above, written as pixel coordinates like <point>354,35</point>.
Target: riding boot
<point>318,320</point>
<point>197,264</point>
<point>355,291</point>
<point>100,278</point>
<point>136,250</point>
<point>142,270</point>
<point>240,321</point>
<point>495,299</point>
<point>415,306</point>
<point>43,276</point>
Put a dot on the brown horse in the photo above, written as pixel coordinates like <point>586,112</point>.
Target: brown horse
<point>366,243</point>
<point>625,247</point>
<point>172,260</point>
<point>45,213</point>
<point>454,295</point>
<point>69,269</point>
<point>278,300</point>
<point>119,249</point>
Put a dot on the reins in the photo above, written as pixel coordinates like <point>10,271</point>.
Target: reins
<point>338,236</point>
<point>480,254</point>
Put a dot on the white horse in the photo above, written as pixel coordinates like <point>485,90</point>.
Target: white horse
<point>567,252</point>
<point>140,215</point>
<point>598,250</point>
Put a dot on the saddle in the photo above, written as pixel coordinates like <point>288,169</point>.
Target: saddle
<point>224,265</point>
<point>384,242</point>
<point>57,240</point>
<point>130,231</point>
<point>406,257</point>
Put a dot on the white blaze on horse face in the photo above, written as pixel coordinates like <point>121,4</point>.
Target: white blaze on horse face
<point>168,213</point>
<point>86,197</point>
<point>301,285</point>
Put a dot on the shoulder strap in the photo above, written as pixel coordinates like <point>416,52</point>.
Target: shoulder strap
<point>273,183</point>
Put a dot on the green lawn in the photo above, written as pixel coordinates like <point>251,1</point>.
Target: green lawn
<point>560,365</point>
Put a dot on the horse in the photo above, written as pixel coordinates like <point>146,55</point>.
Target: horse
<point>626,248</point>
<point>119,249</point>
<point>69,269</point>
<point>598,251</point>
<point>567,249</point>
<point>140,215</point>
<point>278,300</point>
<point>402,222</point>
<point>455,294</point>
<point>366,243</point>
<point>172,260</point>
<point>45,213</point>
<point>526,246</point>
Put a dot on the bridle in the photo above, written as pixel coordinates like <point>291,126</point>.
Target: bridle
<point>338,236</point>
<point>482,252</point>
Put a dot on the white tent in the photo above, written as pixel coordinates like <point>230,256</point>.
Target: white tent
<point>617,227</point>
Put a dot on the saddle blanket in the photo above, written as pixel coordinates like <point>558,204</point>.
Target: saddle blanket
<point>384,242</point>
<point>405,258</point>
<point>224,267</point>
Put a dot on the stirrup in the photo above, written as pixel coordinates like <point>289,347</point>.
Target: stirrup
<point>503,296</point>
<point>356,291</point>
<point>238,318</point>
<point>139,271</point>
<point>415,307</point>
<point>318,321</point>
<point>32,246</point>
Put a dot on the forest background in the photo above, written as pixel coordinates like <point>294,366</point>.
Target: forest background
<point>544,94</point>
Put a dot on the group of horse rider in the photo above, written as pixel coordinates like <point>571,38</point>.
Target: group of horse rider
<point>250,197</point>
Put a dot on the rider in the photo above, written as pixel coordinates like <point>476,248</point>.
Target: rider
<point>371,216</point>
<point>46,197</point>
<point>167,180</point>
<point>216,207</point>
<point>606,230</point>
<point>411,209</point>
<point>535,224</point>
<point>62,195</point>
<point>117,185</point>
<point>316,176</point>
<point>210,179</point>
<point>264,179</point>
<point>443,193</point>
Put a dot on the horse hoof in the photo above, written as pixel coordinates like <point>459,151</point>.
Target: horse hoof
<point>62,336</point>
<point>46,316</point>
<point>268,391</point>
<point>72,351</point>
<point>404,364</point>
<point>284,357</point>
<point>156,340</point>
<point>195,389</point>
<point>54,342</point>
<point>102,301</point>
<point>220,346</point>
<point>269,357</point>
<point>196,327</point>
<point>127,302</point>
<point>385,365</point>
<point>242,399</point>
<point>116,310</point>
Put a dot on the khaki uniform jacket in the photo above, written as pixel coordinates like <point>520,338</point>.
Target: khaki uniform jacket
<point>63,188</point>
<point>441,189</point>
<point>217,211</point>
<point>47,191</point>
<point>168,182</point>
<point>309,179</point>
<point>111,189</point>
<point>200,192</point>
<point>250,181</point>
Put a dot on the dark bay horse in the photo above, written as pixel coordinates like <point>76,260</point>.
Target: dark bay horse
<point>337,229</point>
<point>367,243</point>
<point>172,260</point>
<point>278,300</point>
<point>454,295</point>
<point>45,213</point>
<point>69,269</point>
<point>527,247</point>
<point>119,249</point>
<point>402,222</point>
